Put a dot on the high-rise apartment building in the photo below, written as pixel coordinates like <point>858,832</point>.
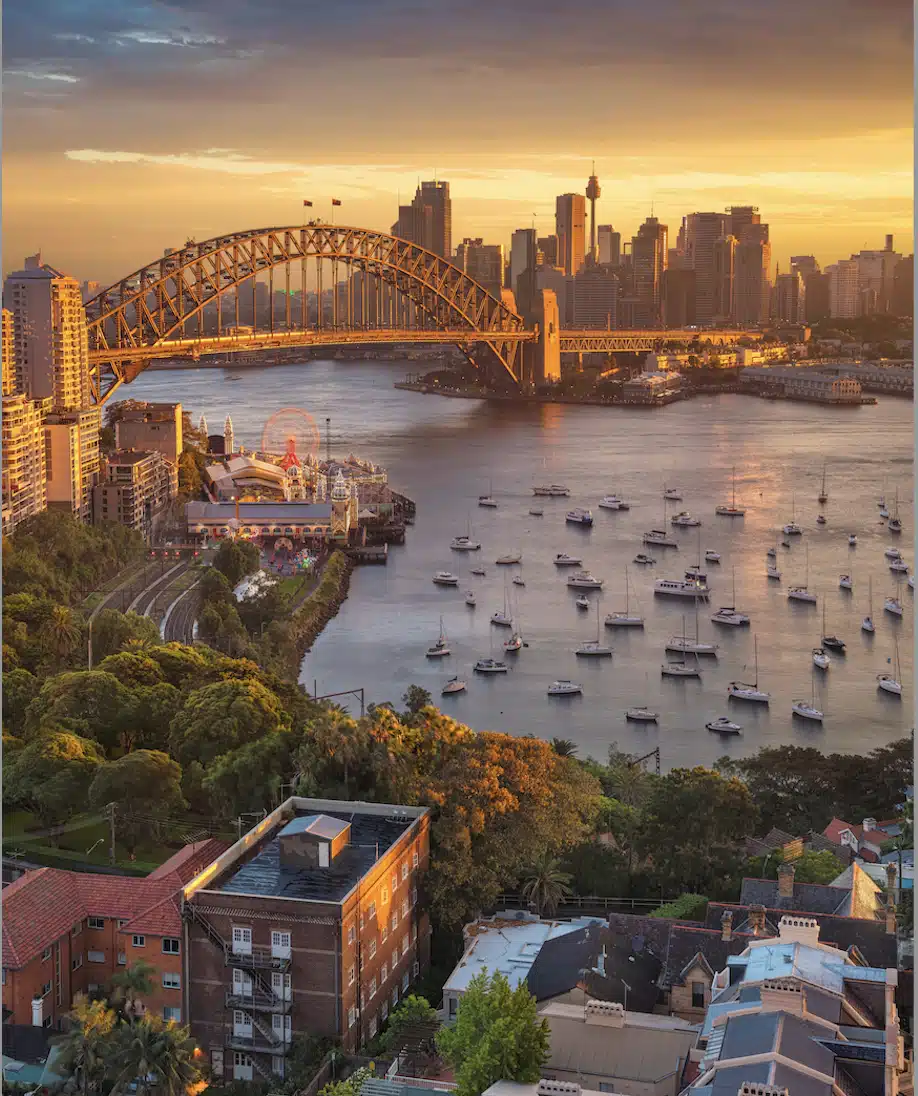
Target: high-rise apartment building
<point>570,228</point>
<point>24,489</point>
<point>482,262</point>
<point>724,278</point>
<point>804,265</point>
<point>610,246</point>
<point>816,287</point>
<point>595,297</point>
<point>7,354</point>
<point>49,335</point>
<point>649,254</point>
<point>702,231</point>
<point>752,293</point>
<point>678,297</point>
<point>72,460</point>
<point>844,297</point>
<point>156,426</point>
<point>790,298</point>
<point>136,488</point>
<point>428,221</point>
<point>876,271</point>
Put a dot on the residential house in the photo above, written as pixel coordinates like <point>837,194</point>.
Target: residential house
<point>864,840</point>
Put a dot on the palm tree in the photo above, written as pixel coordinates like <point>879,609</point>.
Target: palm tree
<point>60,634</point>
<point>156,1056</point>
<point>83,1049</point>
<point>544,884</point>
<point>137,646</point>
<point>129,985</point>
<point>563,747</point>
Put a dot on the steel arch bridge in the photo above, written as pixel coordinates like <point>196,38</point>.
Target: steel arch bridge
<point>423,296</point>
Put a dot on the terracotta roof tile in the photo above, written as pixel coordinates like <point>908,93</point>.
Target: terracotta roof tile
<point>191,860</point>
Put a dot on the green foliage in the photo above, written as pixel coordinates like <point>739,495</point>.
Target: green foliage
<point>19,690</point>
<point>351,1086</point>
<point>687,907</point>
<point>564,747</point>
<point>132,669</point>
<point>412,1010</point>
<point>811,867</point>
<point>92,703</point>
<point>52,774</point>
<point>235,559</point>
<point>131,985</point>
<point>497,1036</point>
<point>249,778</point>
<point>189,473</point>
<point>113,632</point>
<point>416,699</point>
<point>144,786</point>
<point>156,1055</point>
<point>86,1048</point>
<point>545,884</point>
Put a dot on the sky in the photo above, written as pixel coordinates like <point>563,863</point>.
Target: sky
<point>132,126</point>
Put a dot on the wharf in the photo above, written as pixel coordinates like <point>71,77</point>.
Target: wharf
<point>371,554</point>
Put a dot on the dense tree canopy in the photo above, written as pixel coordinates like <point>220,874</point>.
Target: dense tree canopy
<point>52,774</point>
<point>145,786</point>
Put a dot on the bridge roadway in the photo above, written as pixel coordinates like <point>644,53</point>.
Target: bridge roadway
<point>583,341</point>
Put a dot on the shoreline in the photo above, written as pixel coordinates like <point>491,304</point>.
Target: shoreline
<point>308,620</point>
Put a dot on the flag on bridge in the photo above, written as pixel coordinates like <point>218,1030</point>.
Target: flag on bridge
<point>336,201</point>
<point>305,203</point>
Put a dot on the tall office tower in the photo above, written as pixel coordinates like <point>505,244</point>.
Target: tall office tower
<point>804,265</point>
<point>7,358</point>
<point>903,301</point>
<point>49,335</point>
<point>610,245</point>
<point>790,298</point>
<point>428,221</point>
<point>876,271</point>
<point>595,297</point>
<point>816,287</point>
<point>592,193</point>
<point>752,288</point>
<point>678,298</point>
<point>649,254</point>
<point>570,227</point>
<point>844,299</point>
<point>702,230</point>
<point>547,247</point>
<point>724,278</point>
<point>483,262</point>
<point>740,218</point>
<point>522,268</point>
<point>414,224</point>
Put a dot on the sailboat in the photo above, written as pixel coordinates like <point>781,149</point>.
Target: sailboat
<point>889,683</point>
<point>831,641</point>
<point>739,690</point>
<point>681,669</point>
<point>488,500</point>
<point>895,525</point>
<point>441,648</point>
<point>518,578</point>
<point>823,497</point>
<point>727,614</point>
<point>792,529</point>
<point>593,648</point>
<point>808,710</point>
<point>625,619</point>
<point>683,645</point>
<point>802,593</point>
<point>454,685</point>
<point>731,511</point>
<point>867,623</point>
<point>465,543</point>
<point>661,537</point>
<point>502,617</point>
<point>515,642</point>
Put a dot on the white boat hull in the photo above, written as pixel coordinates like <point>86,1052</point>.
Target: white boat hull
<point>660,542</point>
<point>893,607</point>
<point>724,726</point>
<point>672,670</point>
<point>773,573</point>
<point>889,685</point>
<point>729,512</point>
<point>868,626</point>
<point>712,557</point>
<point>805,711</point>
<point>622,621</point>
<point>667,588</point>
<point>801,595</point>
<point>501,621</point>
<point>690,647</point>
<point>453,687</point>
<point>437,652</point>
<point>597,651</point>
<point>640,715</point>
<point>821,662</point>
<point>755,696</point>
<point>733,620</point>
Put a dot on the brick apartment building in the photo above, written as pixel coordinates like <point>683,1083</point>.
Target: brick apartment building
<point>310,922</point>
<point>68,932</point>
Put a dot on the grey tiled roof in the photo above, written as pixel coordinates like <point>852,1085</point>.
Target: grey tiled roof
<point>807,897</point>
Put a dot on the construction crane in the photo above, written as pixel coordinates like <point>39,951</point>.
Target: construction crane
<point>655,752</point>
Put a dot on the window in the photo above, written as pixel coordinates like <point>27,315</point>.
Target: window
<point>394,997</point>
<point>362,921</point>
<point>393,960</point>
<point>414,933</point>
<point>415,859</point>
<point>138,941</point>
<point>384,897</point>
<point>280,944</point>
<point>351,975</point>
<point>122,959</point>
<point>697,994</point>
<point>372,948</point>
<point>171,980</point>
<point>95,956</point>
<point>394,882</point>
<point>415,968</point>
<point>405,906</point>
<point>405,944</point>
<point>172,1012</point>
<point>405,981</point>
<point>95,922</point>
<point>363,1000</point>
<point>242,939</point>
<point>350,934</point>
<point>92,987</point>
<point>374,1027</point>
<point>76,962</point>
<point>46,955</point>
<point>454,1005</point>
<point>394,921</point>
<point>384,972</point>
<point>384,1011</point>
<point>414,896</point>
<point>383,931</point>
<point>404,871</point>
<point>171,945</point>
<point>351,1016</point>
<point>46,1023</point>
<point>373,988</point>
<point>45,989</point>
<point>77,929</point>
<point>371,910</point>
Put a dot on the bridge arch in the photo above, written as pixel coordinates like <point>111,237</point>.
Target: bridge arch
<point>140,316</point>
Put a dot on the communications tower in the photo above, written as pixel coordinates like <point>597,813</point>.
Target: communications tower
<point>593,192</point>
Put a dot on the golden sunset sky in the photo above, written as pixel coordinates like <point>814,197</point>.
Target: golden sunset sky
<point>130,127</point>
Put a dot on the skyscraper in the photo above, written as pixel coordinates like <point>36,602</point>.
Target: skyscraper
<point>702,230</point>
<point>610,245</point>
<point>595,297</point>
<point>903,301</point>
<point>816,286</point>
<point>724,278</point>
<point>49,335</point>
<point>547,248</point>
<point>482,262</point>
<point>24,491</point>
<point>649,254</point>
<point>428,221</point>
<point>752,292</point>
<point>740,218</point>
<point>678,298</point>
<point>805,265</point>
<point>790,298</point>
<point>570,228</point>
<point>843,289</point>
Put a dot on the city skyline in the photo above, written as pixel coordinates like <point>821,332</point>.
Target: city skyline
<point>107,162</point>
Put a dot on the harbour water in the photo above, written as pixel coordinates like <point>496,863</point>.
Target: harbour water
<point>444,453</point>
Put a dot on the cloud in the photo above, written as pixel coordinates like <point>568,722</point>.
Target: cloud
<point>33,74</point>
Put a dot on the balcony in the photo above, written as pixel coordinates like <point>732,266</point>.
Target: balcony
<point>257,957</point>
<point>258,1002</point>
<point>258,1041</point>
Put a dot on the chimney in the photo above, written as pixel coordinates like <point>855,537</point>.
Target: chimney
<point>889,241</point>
<point>782,995</point>
<point>757,920</point>
<point>891,872</point>
<point>604,1013</point>
<point>549,1087</point>
<point>804,930</point>
<point>726,925</point>
<point>786,880</point>
<point>749,1089</point>
<point>37,1006</point>
<point>890,916</point>
<point>869,824</point>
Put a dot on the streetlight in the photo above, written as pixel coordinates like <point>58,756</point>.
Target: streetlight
<point>627,988</point>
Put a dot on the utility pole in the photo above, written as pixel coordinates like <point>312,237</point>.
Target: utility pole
<point>89,646</point>
<point>111,818</point>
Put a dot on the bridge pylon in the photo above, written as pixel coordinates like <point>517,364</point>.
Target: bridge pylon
<point>542,358</point>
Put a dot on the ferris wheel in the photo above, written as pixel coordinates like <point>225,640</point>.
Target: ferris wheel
<point>291,432</point>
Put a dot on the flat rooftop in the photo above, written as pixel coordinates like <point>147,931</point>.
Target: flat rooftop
<point>375,828</point>
<point>258,511</point>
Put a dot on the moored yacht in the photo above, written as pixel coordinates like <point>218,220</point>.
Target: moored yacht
<point>562,559</point>
<point>563,687</point>
<point>552,490</point>
<point>805,710</point>
<point>612,502</point>
<point>685,520</point>
<point>487,501</point>
<point>593,649</point>
<point>888,684</point>
<point>470,600</point>
<point>680,669</point>
<point>668,587</point>
<point>672,494</point>
<point>731,511</point>
<point>728,615</point>
<point>852,540</point>
<point>711,556</point>
<point>583,580</point>
<point>741,690</point>
<point>792,529</point>
<point>508,560</point>
<point>445,578</point>
<point>773,572</point>
<point>479,571</point>
<point>722,725</point>
<point>820,658</point>
<point>454,685</point>
<point>845,583</point>
<point>579,516</point>
<point>685,645</point>
<point>502,619</point>
<point>893,606</point>
<point>661,538</point>
<point>490,666</point>
<point>641,715</point>
<point>514,643</point>
<point>899,566</point>
<point>644,559</point>
<point>441,648</point>
<point>801,593</point>
<point>582,601</point>
<point>821,519</point>
<point>536,511</point>
<point>465,544</point>
<point>892,553</point>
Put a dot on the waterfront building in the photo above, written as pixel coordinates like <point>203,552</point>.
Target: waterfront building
<point>892,378</point>
<point>136,489</point>
<point>595,297</point>
<point>428,220</point>
<point>724,278</point>
<point>152,426</point>
<point>72,460</point>
<point>482,262</point>
<point>677,298</point>
<point>649,253</point>
<point>308,522</point>
<point>752,294</point>
<point>701,232</point>
<point>69,932</point>
<point>651,387</point>
<point>570,228</point>
<point>310,923</point>
<point>802,383</point>
<point>844,301</point>
<point>610,245</point>
<point>50,345</point>
<point>790,298</point>
<point>23,475</point>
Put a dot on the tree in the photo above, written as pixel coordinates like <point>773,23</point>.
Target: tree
<point>157,1056</point>
<point>52,774</point>
<point>351,1086</point>
<point>811,867</point>
<point>416,699</point>
<point>132,668</point>
<point>113,632</point>
<point>60,634</point>
<point>189,475</point>
<point>693,828</point>
<point>563,747</point>
<point>413,1010</point>
<point>222,717</point>
<point>90,702</point>
<point>236,559</point>
<point>130,986</point>
<point>249,778</point>
<point>85,1048</point>
<point>687,907</point>
<point>497,1036</point>
<point>145,786</point>
<point>545,884</point>
<point>19,690</point>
